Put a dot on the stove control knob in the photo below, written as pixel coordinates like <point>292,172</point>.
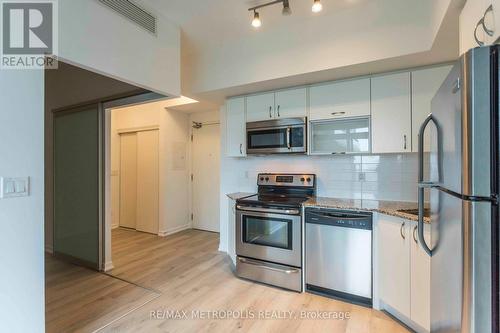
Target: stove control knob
<point>302,179</point>
<point>267,179</point>
<point>308,179</point>
<point>261,179</point>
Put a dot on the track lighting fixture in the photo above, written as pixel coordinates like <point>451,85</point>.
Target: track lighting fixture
<point>256,22</point>
<point>317,6</point>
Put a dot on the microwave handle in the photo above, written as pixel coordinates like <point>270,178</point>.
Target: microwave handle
<point>289,137</point>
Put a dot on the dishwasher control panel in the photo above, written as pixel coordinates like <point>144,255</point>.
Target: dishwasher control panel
<point>339,218</point>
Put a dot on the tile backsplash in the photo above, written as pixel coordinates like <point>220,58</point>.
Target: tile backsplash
<point>382,177</point>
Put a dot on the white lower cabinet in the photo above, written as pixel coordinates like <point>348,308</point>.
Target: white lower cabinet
<point>403,272</point>
<point>231,230</point>
<point>420,276</point>
<point>394,263</point>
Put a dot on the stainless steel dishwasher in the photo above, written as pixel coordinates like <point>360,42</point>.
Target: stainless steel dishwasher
<point>339,254</point>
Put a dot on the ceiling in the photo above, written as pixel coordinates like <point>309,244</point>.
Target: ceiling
<point>223,55</point>
<point>206,22</point>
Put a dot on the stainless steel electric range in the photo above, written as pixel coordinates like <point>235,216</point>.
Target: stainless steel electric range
<point>269,230</point>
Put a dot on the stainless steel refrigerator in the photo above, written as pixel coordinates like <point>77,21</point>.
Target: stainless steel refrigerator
<point>463,186</point>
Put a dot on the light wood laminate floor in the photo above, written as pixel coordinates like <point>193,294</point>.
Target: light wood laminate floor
<point>193,280</point>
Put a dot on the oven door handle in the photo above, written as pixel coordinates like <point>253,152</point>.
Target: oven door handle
<point>268,210</point>
<point>258,264</point>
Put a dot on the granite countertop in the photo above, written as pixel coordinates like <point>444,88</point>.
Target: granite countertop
<point>239,195</point>
<point>385,207</point>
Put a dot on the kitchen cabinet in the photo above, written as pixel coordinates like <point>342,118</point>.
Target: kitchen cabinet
<point>275,105</point>
<point>425,84</point>
<point>260,107</point>
<point>290,103</point>
<point>235,127</point>
<point>350,135</point>
<point>420,274</point>
<point>394,263</point>
<point>345,99</point>
<point>231,230</point>
<point>403,271</point>
<point>391,113</point>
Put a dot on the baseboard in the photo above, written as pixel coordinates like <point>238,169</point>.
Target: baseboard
<point>174,230</point>
<point>108,266</point>
<point>49,248</point>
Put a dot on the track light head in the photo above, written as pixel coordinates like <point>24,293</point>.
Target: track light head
<point>286,8</point>
<point>317,6</point>
<point>256,22</point>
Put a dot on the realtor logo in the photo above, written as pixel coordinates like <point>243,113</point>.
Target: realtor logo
<point>29,34</point>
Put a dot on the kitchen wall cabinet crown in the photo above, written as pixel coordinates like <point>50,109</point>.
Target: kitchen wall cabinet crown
<point>274,105</point>
<point>235,127</point>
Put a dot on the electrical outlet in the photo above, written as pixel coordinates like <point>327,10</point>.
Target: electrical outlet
<point>14,187</point>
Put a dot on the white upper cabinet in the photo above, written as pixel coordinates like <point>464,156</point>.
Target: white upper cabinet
<point>291,103</point>
<point>260,107</point>
<point>235,127</point>
<point>343,99</point>
<point>391,113</point>
<point>425,84</point>
<point>420,279</point>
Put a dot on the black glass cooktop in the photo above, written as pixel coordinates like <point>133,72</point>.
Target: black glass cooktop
<point>274,200</point>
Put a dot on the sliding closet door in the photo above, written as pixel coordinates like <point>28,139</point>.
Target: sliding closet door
<point>128,180</point>
<point>147,185</point>
<point>78,185</point>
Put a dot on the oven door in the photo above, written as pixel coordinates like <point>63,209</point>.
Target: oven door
<point>269,236</point>
<point>287,138</point>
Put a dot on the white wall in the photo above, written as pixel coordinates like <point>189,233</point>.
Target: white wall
<point>94,36</point>
<point>174,180</point>
<point>22,300</point>
<point>470,15</point>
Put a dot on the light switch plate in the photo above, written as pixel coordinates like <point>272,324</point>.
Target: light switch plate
<point>14,187</point>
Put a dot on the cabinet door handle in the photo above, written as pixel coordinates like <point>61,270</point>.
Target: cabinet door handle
<point>401,230</point>
<point>241,149</point>
<point>270,110</point>
<point>415,234</point>
<point>279,111</point>
<point>338,113</point>
<point>404,142</point>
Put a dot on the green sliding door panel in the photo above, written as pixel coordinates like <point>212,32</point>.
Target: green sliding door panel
<point>77,185</point>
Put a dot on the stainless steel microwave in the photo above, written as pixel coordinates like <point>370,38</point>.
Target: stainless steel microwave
<point>279,136</point>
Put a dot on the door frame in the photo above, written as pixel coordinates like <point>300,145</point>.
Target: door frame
<point>194,127</point>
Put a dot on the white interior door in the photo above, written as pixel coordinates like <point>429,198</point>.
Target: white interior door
<point>128,180</point>
<point>206,165</point>
<point>147,181</point>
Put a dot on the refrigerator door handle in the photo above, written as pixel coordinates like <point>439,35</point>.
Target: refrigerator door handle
<point>422,184</point>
